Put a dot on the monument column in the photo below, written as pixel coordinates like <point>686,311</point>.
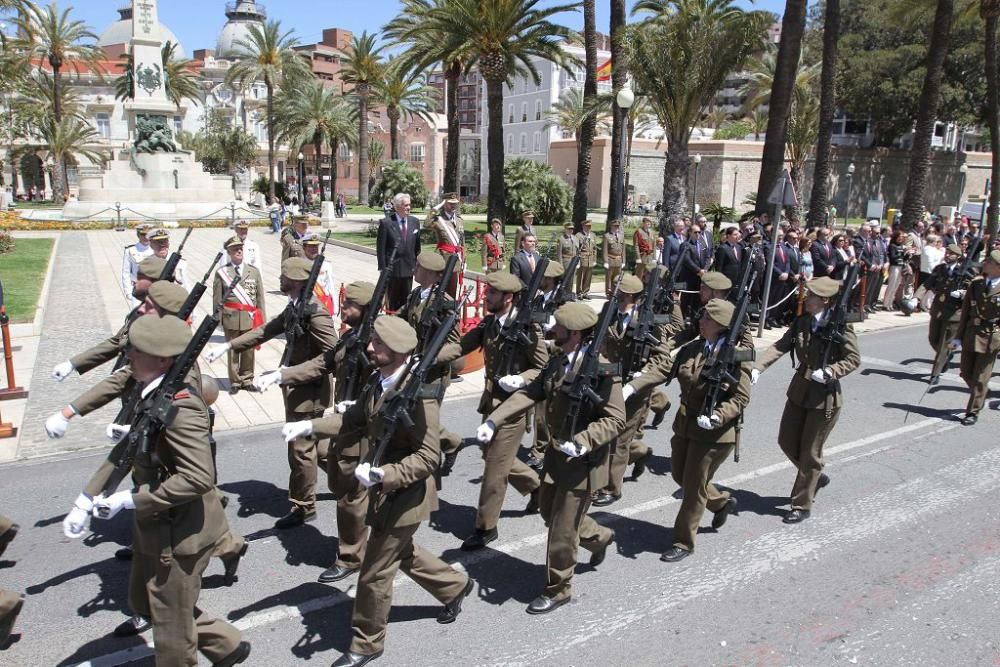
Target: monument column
<point>147,60</point>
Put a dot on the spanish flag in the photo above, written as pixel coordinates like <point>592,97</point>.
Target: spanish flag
<point>604,71</point>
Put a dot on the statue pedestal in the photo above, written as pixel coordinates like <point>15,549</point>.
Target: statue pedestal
<point>329,217</point>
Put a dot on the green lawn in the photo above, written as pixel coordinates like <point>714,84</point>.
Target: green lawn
<point>36,205</point>
<point>23,273</point>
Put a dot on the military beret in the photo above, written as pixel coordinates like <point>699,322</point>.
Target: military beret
<point>360,292</point>
<point>158,234</point>
<point>143,228</point>
<point>168,296</point>
<point>504,281</point>
<point>452,198</point>
<point>824,287</point>
<point>296,268</point>
<point>567,225</point>
<point>242,223</point>
<point>576,316</point>
<point>300,219</point>
<point>716,280</point>
<point>720,310</point>
<point>233,242</point>
<point>616,222</point>
<point>165,336</point>
<point>431,261</point>
<point>311,239</point>
<point>152,267</point>
<point>587,223</point>
<point>554,270</point>
<point>396,333</point>
<point>994,256</point>
<point>954,249</point>
<point>631,284</point>
<point>209,390</point>
<point>528,213</point>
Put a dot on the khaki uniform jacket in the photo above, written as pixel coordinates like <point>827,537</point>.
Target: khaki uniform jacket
<point>567,249</point>
<point>978,326</point>
<point>944,308</point>
<point>291,245</point>
<point>802,391</point>
<point>253,284</point>
<point>412,311</point>
<point>106,350</point>
<point>446,230</point>
<point>644,238</point>
<point>690,362</point>
<point>614,249</point>
<point>491,245</point>
<point>587,248</point>
<point>618,342</point>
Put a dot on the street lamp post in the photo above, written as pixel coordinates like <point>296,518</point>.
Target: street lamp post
<point>624,99</point>
<point>301,178</point>
<point>847,204</point>
<point>694,194</point>
<point>964,171</point>
<point>736,175</point>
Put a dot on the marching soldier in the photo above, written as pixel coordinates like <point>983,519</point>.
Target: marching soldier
<point>251,249</point>
<point>946,309</point>
<point>324,290</point>
<point>449,228</point>
<point>586,245</point>
<point>814,397</point>
<point>302,401</point>
<point>243,310</point>
<point>502,464</point>
<point>574,463</point>
<point>614,256</point>
<point>645,248</point>
<point>526,227</point>
<point>978,335</point>
<point>567,247</point>
<point>493,247</point>
<point>292,237</point>
<point>134,254</point>
<point>159,241</point>
<point>10,603</point>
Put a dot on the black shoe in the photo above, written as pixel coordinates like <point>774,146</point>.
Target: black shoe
<point>234,389</point>
<point>824,479</point>
<point>603,498</point>
<point>454,608</point>
<point>535,463</point>
<point>238,656</point>
<point>224,499</point>
<point>8,536</point>
<point>125,553</point>
<point>457,378</point>
<point>336,573</point>
<point>639,467</point>
<point>355,659</point>
<point>719,520</point>
<point>532,507</point>
<point>796,516</point>
<point>543,605</point>
<point>296,517</point>
<point>597,557</point>
<point>479,539</point>
<point>969,420</point>
<point>674,554</point>
<point>934,381</point>
<point>232,564</point>
<point>658,416</point>
<point>7,624</point>
<point>448,463</point>
<point>135,625</point>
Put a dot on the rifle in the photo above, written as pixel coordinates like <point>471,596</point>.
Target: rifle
<point>565,285</point>
<point>643,330</point>
<point>664,299</point>
<point>437,304</point>
<point>516,330</point>
<point>175,258</point>
<point>296,318</point>
<point>357,346</point>
<point>962,277</point>
<point>832,332</point>
<point>197,291</point>
<point>151,415</point>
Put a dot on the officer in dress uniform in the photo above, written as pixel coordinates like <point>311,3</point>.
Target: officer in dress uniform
<point>567,247</point>
<point>10,603</point>
<point>586,247</point>
<point>946,308</point>
<point>493,247</point>
<point>242,311</point>
<point>251,249</point>
<point>292,236</point>
<point>614,256</point>
<point>324,289</point>
<point>645,248</point>
<point>159,241</point>
<point>134,254</point>
<point>527,226</point>
<point>978,335</point>
<point>449,228</point>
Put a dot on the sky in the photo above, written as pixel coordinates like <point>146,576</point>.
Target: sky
<point>197,22</point>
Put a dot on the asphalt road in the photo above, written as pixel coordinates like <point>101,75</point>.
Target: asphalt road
<point>899,564</point>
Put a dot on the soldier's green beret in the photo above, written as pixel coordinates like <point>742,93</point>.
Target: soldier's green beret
<point>576,316</point>
<point>158,234</point>
<point>431,261</point>
<point>233,242</point>
<point>568,225</point>
<point>165,336</point>
<point>631,284</point>
<point>994,256</point>
<point>311,239</point>
<point>824,287</point>
<point>954,249</point>
<point>296,268</point>
<point>504,281</point>
<point>716,280</point>
<point>360,292</point>
<point>152,267</point>
<point>168,296</point>
<point>396,333</point>
<point>554,270</point>
<point>720,310</point>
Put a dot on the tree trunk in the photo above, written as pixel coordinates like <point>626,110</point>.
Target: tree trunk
<point>629,136</point>
<point>794,213</point>
<point>393,133</point>
<point>495,202</point>
<point>618,77</point>
<point>793,25</point>
<point>452,75</point>
<point>819,201</point>
<point>675,175</point>
<point>362,91</point>
<point>920,155</point>
<point>58,184</point>
<point>993,122</point>
<point>334,147</point>
<point>270,134</point>
<point>318,150</point>
<point>585,138</point>
<point>57,110</point>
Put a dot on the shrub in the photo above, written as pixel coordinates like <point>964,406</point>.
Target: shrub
<point>261,185</point>
<point>532,185</point>
<point>6,242</point>
<point>397,176</point>
<point>734,130</point>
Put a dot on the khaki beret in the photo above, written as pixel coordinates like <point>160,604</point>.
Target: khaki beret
<point>157,234</point>
<point>587,223</point>
<point>431,261</point>
<point>396,333</point>
<point>631,284</point>
<point>296,268</point>
<point>241,223</point>
<point>233,242</point>
<point>994,256</point>
<point>168,296</point>
<point>720,310</point>
<point>452,198</point>
<point>504,281</point>
<point>165,336</point>
<point>528,213</point>
<point>360,292</point>
<point>954,249</point>
<point>300,219</point>
<point>567,225</point>
<point>554,270</point>
<point>716,280</point>
<point>311,239</point>
<point>576,316</point>
<point>824,287</point>
<point>152,267</point>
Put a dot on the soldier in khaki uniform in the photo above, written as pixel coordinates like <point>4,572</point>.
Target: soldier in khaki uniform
<point>10,603</point>
<point>403,495</point>
<point>979,335</point>
<point>502,464</point>
<point>449,229</point>
<point>292,237</point>
<point>243,310</point>
<point>302,401</point>
<point>567,247</point>
<point>946,308</point>
<point>586,247</point>
<point>527,226</point>
<point>494,252</point>
<point>177,512</point>
<point>814,395</point>
<point>614,256</point>
<point>575,463</point>
<point>644,241</point>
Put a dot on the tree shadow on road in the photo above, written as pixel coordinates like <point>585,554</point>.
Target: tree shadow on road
<point>112,593</point>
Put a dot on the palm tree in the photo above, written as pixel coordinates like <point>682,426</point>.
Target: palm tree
<point>375,155</point>
<point>758,122</point>
<point>619,75</point>
<point>989,10</point>
<point>406,95</point>
<point>819,200</point>
<point>64,138</point>
<point>570,112</point>
<point>585,137</point>
<point>267,54</point>
<point>48,35</point>
<point>793,26</point>
<point>674,57</point>
<point>363,69</point>
<point>715,118</point>
<point>179,82</point>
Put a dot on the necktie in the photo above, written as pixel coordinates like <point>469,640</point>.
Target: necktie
<point>236,270</point>
<point>531,262</point>
<point>736,251</point>
<point>402,228</point>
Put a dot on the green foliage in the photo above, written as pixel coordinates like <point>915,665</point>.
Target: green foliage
<point>6,242</point>
<point>532,185</point>
<point>718,212</point>
<point>397,176</point>
<point>262,186</point>
<point>737,129</point>
<point>222,146</point>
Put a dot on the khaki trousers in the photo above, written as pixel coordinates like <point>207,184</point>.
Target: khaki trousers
<point>610,278</point>
<point>503,467</point>
<point>658,401</point>
<point>628,449</point>
<point>240,364</point>
<point>565,515</point>
<point>352,510</point>
<point>801,435</point>
<point>976,370</point>
<point>8,601</point>
<point>450,441</point>
<point>584,276</point>
<point>541,440</point>
<point>388,551</point>
<point>693,464</point>
<point>304,457</point>
<point>165,589</point>
<point>228,546</point>
<point>5,524</point>
<point>939,335</point>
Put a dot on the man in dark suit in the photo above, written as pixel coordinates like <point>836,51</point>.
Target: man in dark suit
<point>673,241</point>
<point>824,261</point>
<point>729,255</point>
<point>864,250</point>
<point>524,261</point>
<point>401,231</point>
<point>695,263</point>
<point>784,279</point>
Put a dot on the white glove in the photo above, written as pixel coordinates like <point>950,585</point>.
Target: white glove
<point>342,407</point>
<point>76,521</point>
<point>606,267</point>
<point>627,391</point>
<point>62,371</point>
<point>709,423</point>
<point>107,508</point>
<point>550,324</point>
<point>754,375</point>
<point>511,383</point>
<point>955,344</point>
<point>821,375</point>
<point>216,351</point>
<point>369,476</point>
<point>294,430</point>
<point>56,425</point>
<point>117,432</point>
<point>266,380</point>
<point>958,294</point>
<point>571,449</point>
<point>486,431</point>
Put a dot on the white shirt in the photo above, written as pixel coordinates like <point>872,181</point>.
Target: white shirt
<point>134,254</point>
<point>390,381</point>
<point>252,255</point>
<point>930,257</point>
<point>149,388</point>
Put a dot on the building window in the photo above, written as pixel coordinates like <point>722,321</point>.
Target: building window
<point>524,112</point>
<point>538,143</point>
<point>345,152</point>
<point>510,145</point>
<point>103,122</point>
<point>416,152</point>
<point>538,109</point>
<point>524,142</point>
<point>510,114</point>
<point>178,124</point>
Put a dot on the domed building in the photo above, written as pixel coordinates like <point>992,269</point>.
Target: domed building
<point>115,38</point>
<point>241,15</point>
